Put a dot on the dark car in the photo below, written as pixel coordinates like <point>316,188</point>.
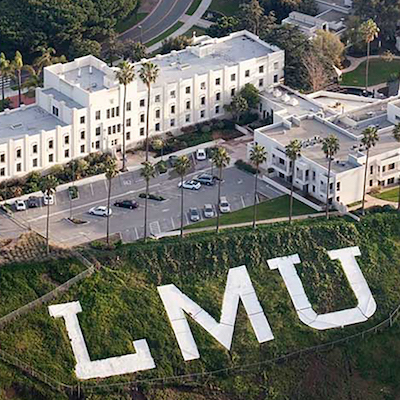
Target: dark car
<point>173,160</point>
<point>33,202</point>
<point>131,204</point>
<point>206,179</point>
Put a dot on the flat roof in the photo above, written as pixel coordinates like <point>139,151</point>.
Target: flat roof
<point>62,97</point>
<point>29,121</point>
<point>87,77</point>
<point>342,103</point>
<point>332,16</point>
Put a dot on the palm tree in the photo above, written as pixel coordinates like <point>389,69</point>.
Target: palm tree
<point>5,72</point>
<point>111,172</point>
<point>47,57</point>
<point>148,171</point>
<point>148,74</point>
<point>369,31</point>
<point>158,144</point>
<point>293,152</point>
<point>330,146</point>
<point>34,79</point>
<point>125,75</point>
<point>258,155</point>
<point>48,187</point>
<point>221,160</point>
<point>181,167</point>
<point>370,139</point>
<point>396,135</point>
<point>17,65</point>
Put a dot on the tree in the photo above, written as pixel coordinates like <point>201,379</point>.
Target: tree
<point>82,47</point>
<point>125,75</point>
<point>148,74</point>
<point>34,80</point>
<point>223,27</point>
<point>396,135</point>
<point>330,46</point>
<point>251,94</point>
<point>293,152</point>
<point>158,144</point>
<point>370,139</point>
<point>111,172</point>
<point>113,48</point>
<point>47,57</point>
<point>318,75</point>
<point>175,43</point>
<point>251,14</point>
<point>221,160</point>
<point>330,146</point>
<point>258,156</point>
<point>182,166</point>
<point>147,172</point>
<point>369,31</point>
<point>133,51</point>
<point>238,106</point>
<point>5,73</point>
<point>48,187</point>
<point>17,65</point>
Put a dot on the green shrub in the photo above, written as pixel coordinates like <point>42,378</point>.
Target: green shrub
<point>244,166</point>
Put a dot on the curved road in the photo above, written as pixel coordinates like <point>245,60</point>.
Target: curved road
<point>165,15</point>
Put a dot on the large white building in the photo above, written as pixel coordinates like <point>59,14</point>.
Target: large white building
<point>79,109</point>
<point>312,118</point>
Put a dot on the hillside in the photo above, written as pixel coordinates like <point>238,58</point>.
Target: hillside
<point>120,303</point>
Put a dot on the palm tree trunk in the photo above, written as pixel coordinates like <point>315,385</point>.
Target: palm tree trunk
<point>108,212</point>
<point>365,183</point>
<point>123,133</point>
<point>255,200</point>
<point>19,89</point>
<point>367,66</point>
<point>219,196</point>
<point>145,209</point>
<point>147,122</point>
<point>327,190</point>
<point>182,206</point>
<point>3,93</point>
<point>291,194</point>
<point>48,226</point>
<point>398,199</point>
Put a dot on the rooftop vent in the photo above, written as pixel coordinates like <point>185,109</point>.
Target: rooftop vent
<point>16,126</point>
<point>184,66</point>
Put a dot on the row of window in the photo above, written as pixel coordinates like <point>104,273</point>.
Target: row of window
<point>389,168</point>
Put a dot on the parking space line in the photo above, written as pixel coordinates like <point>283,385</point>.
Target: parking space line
<point>137,233</point>
<point>173,223</point>
<point>91,189</point>
<point>243,203</point>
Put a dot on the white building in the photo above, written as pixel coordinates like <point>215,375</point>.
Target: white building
<point>79,109</point>
<point>312,118</point>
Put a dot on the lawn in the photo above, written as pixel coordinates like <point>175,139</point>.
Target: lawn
<point>199,31</point>
<point>165,34</point>
<point>388,195</point>
<point>379,72</point>
<point>275,208</point>
<point>226,7</point>
<point>193,7</point>
<point>129,22</point>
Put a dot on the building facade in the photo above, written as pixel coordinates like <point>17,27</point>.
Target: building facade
<point>79,109</point>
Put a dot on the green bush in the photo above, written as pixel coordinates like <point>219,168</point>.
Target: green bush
<point>162,167</point>
<point>244,166</point>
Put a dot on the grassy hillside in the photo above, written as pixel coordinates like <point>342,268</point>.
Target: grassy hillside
<point>120,304</point>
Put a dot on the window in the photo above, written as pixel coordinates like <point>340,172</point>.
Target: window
<point>19,153</point>
<point>141,103</point>
<point>82,148</point>
<point>66,139</point>
<point>233,91</point>
<point>19,167</point>
<point>338,186</point>
<point>129,106</point>
<point>55,111</point>
<point>82,119</point>
<point>117,111</point>
<point>371,169</point>
<point>158,113</point>
<point>275,78</point>
<point>203,100</point>
<point>98,131</point>
<point>187,90</point>
<point>2,172</point>
<point>216,109</point>
<point>119,128</point>
<point>109,130</point>
<point>157,98</point>
<point>108,113</point>
<point>98,115</point>
<point>128,122</point>
<point>202,85</point>
<point>370,182</point>
<point>261,83</point>
<point>247,73</point>
<point>218,81</point>
<point>218,96</point>
<point>383,169</point>
<point>113,112</point>
<point>172,122</point>
<point>172,109</point>
<point>66,153</point>
<point>313,188</point>
<point>202,114</point>
<point>51,144</point>
<point>51,157</point>
<point>391,166</point>
<point>390,181</point>
<point>187,118</point>
<point>34,149</point>
<point>97,144</point>
<point>276,65</point>
<point>172,94</point>
<point>233,77</point>
<point>188,105</point>
<point>83,135</point>
<point>34,163</point>
<point>2,158</point>
<point>114,129</point>
<point>141,117</point>
<point>261,69</point>
<point>141,131</point>
<point>157,127</point>
<point>128,136</point>
<point>281,161</point>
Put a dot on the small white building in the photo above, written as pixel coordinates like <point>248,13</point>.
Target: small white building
<point>79,109</point>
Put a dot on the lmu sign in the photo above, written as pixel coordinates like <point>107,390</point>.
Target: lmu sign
<point>238,287</point>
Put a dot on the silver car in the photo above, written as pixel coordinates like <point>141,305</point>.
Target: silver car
<point>209,211</point>
<point>194,214</point>
<point>224,206</point>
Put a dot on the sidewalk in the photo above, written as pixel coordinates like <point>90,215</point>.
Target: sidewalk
<point>356,61</point>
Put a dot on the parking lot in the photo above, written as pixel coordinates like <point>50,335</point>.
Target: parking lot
<point>163,216</point>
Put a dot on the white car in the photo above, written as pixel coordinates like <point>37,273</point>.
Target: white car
<point>224,206</point>
<point>100,211</point>
<point>48,199</point>
<point>201,155</point>
<point>20,205</point>
<point>192,185</point>
<point>209,211</point>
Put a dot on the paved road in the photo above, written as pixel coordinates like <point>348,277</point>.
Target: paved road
<point>167,13</point>
<point>163,216</point>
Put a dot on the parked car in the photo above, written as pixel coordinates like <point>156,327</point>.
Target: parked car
<point>201,155</point>
<point>131,204</point>
<point>48,199</point>
<point>205,179</point>
<point>209,211</point>
<point>173,160</point>
<point>194,214</point>
<point>192,185</point>
<point>224,206</point>
<point>20,205</point>
<point>100,211</point>
<point>33,202</point>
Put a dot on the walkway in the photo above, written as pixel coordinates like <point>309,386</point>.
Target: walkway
<point>356,61</point>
